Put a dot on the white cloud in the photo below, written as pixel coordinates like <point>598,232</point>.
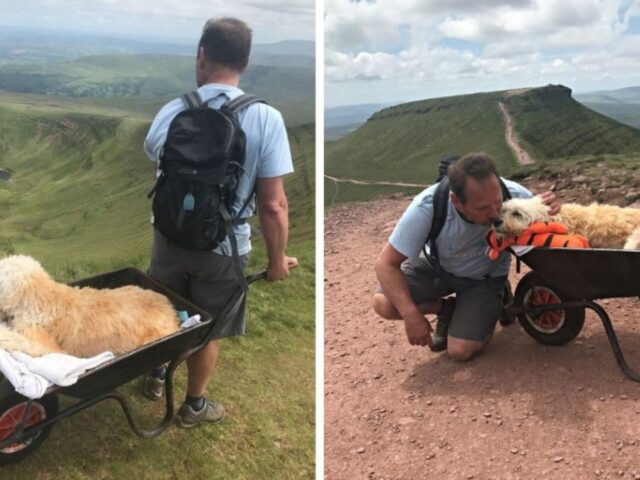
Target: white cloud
<point>491,42</point>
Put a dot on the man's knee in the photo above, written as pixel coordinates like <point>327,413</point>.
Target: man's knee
<point>383,307</point>
<point>463,350</point>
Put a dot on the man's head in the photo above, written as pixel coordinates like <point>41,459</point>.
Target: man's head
<point>224,46</point>
<point>475,188</point>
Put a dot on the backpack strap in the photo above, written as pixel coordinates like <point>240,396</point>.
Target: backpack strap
<point>506,194</point>
<point>228,225</point>
<point>192,99</point>
<point>241,102</point>
<point>440,210</point>
<point>236,105</point>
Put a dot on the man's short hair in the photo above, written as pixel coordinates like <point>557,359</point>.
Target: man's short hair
<point>226,42</point>
<point>478,166</point>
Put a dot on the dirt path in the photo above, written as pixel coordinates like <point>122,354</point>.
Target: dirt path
<point>512,139</point>
<point>364,182</point>
<point>519,411</point>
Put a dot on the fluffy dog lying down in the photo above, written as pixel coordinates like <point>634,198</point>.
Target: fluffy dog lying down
<point>605,226</point>
<point>40,316</point>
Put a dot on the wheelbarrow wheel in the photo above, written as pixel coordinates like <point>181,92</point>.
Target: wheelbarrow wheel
<point>553,327</point>
<point>12,409</point>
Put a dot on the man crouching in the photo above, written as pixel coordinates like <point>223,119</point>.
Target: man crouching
<point>413,285</point>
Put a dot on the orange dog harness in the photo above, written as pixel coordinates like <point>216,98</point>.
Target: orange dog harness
<point>539,234</point>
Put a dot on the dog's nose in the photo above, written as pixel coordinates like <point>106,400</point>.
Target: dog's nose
<point>497,223</point>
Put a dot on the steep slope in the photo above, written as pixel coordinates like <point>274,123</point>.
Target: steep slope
<point>550,124</point>
<point>78,183</point>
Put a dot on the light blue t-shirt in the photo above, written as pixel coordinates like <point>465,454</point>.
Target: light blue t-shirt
<point>267,149</point>
<point>462,248</point>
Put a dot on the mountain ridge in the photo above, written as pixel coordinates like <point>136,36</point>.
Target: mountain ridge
<point>404,143</point>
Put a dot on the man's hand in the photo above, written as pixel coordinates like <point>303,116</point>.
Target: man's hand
<point>418,329</point>
<point>549,199</point>
<point>280,270</point>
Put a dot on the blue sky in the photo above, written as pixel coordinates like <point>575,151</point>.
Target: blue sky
<point>164,20</point>
<point>388,51</point>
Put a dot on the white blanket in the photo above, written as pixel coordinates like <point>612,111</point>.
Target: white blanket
<point>32,376</point>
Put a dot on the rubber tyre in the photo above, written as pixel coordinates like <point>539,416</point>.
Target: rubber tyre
<point>42,408</point>
<point>557,327</point>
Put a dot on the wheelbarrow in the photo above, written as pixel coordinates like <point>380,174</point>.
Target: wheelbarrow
<point>551,300</point>
<point>26,423</point>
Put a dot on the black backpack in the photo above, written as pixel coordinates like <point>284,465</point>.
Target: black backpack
<point>441,205</point>
<point>200,167</point>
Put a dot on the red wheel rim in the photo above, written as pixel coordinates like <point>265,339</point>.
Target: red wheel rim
<point>549,321</point>
<point>12,417</point>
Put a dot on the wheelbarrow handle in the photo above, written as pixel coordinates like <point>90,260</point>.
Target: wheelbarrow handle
<point>256,276</point>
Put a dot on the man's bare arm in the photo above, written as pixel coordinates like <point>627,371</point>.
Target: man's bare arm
<point>396,290</point>
<point>273,212</point>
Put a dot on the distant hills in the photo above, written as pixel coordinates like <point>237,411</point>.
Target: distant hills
<point>286,81</point>
<point>628,95</point>
<point>142,74</point>
<point>404,143</point>
<point>25,46</point>
<point>339,121</point>
<point>622,104</point>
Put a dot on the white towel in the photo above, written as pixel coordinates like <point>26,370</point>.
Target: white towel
<point>191,321</point>
<point>32,376</point>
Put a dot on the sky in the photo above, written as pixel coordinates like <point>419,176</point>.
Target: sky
<point>390,51</point>
<point>171,20</point>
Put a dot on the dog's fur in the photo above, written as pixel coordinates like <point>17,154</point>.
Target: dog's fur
<point>605,226</point>
<point>39,315</point>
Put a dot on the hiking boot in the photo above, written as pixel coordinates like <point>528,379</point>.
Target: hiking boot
<point>439,339</point>
<point>507,318</point>
<point>152,387</point>
<point>187,417</point>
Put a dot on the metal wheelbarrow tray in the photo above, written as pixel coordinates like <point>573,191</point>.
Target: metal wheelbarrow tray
<point>550,301</point>
<point>25,423</point>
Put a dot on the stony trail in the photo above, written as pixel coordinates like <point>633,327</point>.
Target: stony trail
<point>510,136</point>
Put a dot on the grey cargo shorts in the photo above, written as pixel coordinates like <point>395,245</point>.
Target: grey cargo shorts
<point>202,277</point>
<point>478,302</point>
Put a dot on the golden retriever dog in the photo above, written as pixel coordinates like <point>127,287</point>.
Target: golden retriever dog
<point>39,315</point>
<point>605,226</point>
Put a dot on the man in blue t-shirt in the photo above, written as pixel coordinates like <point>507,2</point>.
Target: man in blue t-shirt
<point>412,286</point>
<point>207,277</point>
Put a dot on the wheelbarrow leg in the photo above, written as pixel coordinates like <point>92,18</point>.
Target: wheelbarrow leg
<point>613,340</point>
<point>170,405</point>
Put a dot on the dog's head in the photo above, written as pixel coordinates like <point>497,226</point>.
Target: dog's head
<point>518,213</point>
<point>19,276</point>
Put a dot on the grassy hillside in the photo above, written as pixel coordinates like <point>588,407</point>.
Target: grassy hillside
<point>551,124</point>
<point>154,78</point>
<point>404,143</point>
<point>80,179</point>
<point>76,201</point>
